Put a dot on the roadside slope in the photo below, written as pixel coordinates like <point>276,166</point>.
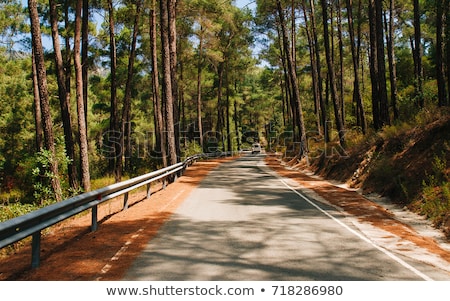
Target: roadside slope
<point>396,163</point>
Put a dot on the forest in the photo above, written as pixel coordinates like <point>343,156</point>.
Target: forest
<point>93,92</point>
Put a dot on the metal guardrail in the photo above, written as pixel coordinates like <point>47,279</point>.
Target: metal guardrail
<point>33,223</point>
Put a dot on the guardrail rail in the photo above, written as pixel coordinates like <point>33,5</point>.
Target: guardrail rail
<point>33,223</point>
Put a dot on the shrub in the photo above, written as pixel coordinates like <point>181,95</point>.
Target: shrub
<point>435,198</point>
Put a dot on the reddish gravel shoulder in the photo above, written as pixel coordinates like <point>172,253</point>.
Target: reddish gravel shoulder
<point>71,252</point>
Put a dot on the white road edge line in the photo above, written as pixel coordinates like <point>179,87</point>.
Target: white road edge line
<point>386,252</point>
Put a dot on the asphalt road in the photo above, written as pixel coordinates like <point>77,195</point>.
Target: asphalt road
<point>244,222</point>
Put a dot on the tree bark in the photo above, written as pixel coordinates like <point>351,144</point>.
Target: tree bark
<point>341,61</point>
<point>332,76</point>
<point>114,132</point>
<point>126,110</point>
<point>447,45</point>
<point>159,120</point>
<point>293,80</point>
<point>172,7</point>
<point>64,97</point>
<point>440,68</point>
<point>37,108</point>
<point>323,107</point>
<point>418,55</point>
<point>391,58</point>
<point>167,80</point>
<point>44,98</point>
<point>84,56</point>
<point>374,67</point>
<point>199,87</point>
<point>384,105</point>
<point>82,126</point>
<point>355,59</point>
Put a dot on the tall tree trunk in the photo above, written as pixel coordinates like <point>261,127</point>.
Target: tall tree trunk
<point>314,74</point>
<point>220,117</point>
<point>172,6</point>
<point>199,88</point>
<point>440,69</point>
<point>374,67</point>
<point>84,56</point>
<point>418,55</point>
<point>227,85</point>
<point>447,45</point>
<point>114,133</point>
<point>43,95</point>
<point>287,85</point>
<point>236,124</point>
<point>290,100</point>
<point>391,58</point>
<point>64,97</point>
<point>159,120</point>
<point>384,105</point>
<point>355,59</point>
<point>341,61</point>
<point>37,108</point>
<point>323,107</point>
<point>332,76</point>
<point>167,80</point>
<point>126,110</point>
<point>82,126</point>
<point>294,84</point>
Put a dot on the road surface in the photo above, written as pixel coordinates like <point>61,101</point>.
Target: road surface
<point>244,222</point>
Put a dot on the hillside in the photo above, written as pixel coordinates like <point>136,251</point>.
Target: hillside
<point>406,163</point>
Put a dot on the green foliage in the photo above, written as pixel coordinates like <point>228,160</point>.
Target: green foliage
<point>435,199</point>
<point>190,148</point>
<point>42,176</point>
<point>12,210</point>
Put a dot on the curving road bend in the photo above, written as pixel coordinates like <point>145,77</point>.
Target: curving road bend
<point>244,222</point>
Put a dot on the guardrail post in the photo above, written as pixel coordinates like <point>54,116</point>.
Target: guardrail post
<point>125,201</point>
<point>36,250</point>
<point>94,224</point>
<point>148,191</point>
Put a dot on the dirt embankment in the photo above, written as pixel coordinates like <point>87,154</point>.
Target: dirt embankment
<point>393,163</point>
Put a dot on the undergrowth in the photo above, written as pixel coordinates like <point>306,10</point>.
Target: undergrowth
<point>435,198</point>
